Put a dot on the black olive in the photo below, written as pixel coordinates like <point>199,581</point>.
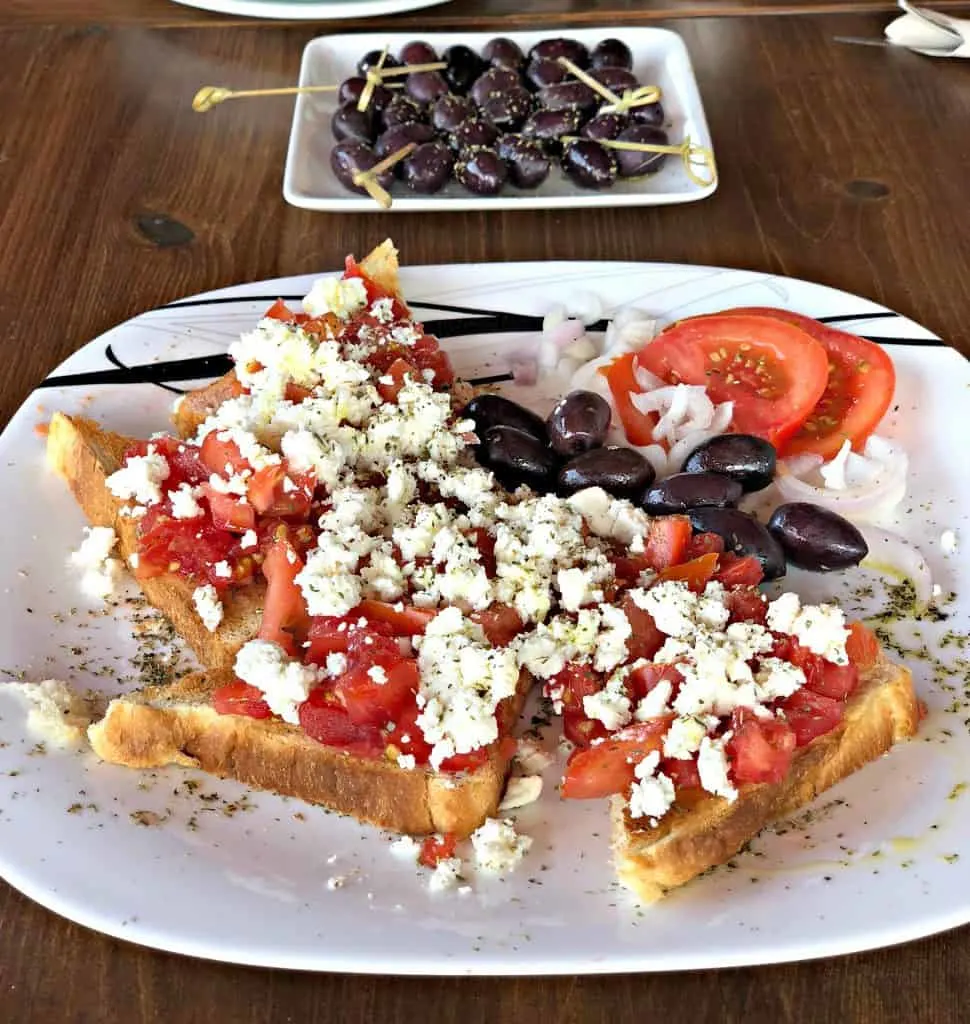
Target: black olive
<point>553,49</point>
<point>347,158</point>
<point>742,535</point>
<point>351,89</point>
<point>492,83</point>
<point>503,53</point>
<point>749,460</point>
<point>617,80</point>
<point>401,110</point>
<point>611,53</point>
<point>541,73</point>
<point>633,163</point>
<point>425,86</point>
<point>418,52</point>
<point>481,170</point>
<point>495,411</point>
<point>684,491</point>
<point>350,123</point>
<point>464,66</point>
<point>589,164</point>
<point>517,457</point>
<point>650,113</point>
<point>449,112</point>
<point>507,110</point>
<point>474,131</point>
<point>605,126</point>
<point>817,539</point>
<point>526,160</point>
<point>622,472</point>
<point>400,135</point>
<point>371,59</point>
<point>428,168</point>
<point>568,96</point>
<point>548,126</point>
<point>579,422</point>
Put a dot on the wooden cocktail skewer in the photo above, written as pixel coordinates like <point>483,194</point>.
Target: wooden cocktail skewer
<point>689,152</point>
<point>375,76</point>
<point>368,179</point>
<point>640,97</point>
<point>210,96</point>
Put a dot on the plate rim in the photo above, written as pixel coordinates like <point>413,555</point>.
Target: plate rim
<point>312,10</point>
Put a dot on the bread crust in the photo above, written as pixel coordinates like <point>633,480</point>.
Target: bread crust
<point>85,455</point>
<point>177,724</point>
<point>709,831</point>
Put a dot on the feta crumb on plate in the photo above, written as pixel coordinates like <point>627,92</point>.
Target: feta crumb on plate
<point>498,847</point>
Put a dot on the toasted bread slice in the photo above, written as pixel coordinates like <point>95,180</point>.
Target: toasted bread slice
<point>689,839</point>
<point>86,455</point>
<point>177,724</point>
<point>380,265</point>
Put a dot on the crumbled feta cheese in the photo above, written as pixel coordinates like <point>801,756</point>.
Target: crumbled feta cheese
<point>656,702</point>
<point>341,296</point>
<point>611,705</point>
<point>611,646</point>
<point>223,570</point>
<point>446,874</point>
<point>407,762</point>
<point>521,790</point>
<point>336,663</point>
<point>377,674</point>
<point>531,757</point>
<point>57,714</point>
<point>777,679</point>
<point>672,606</point>
<point>249,540</point>
<point>685,735</point>
<point>407,848</point>
<point>285,683</point>
<point>948,542</point>
<point>498,847</point>
<point>652,794</point>
<point>336,882</point>
<point>140,478</point>
<point>820,628</point>
<point>208,606</point>
<point>100,572</point>
<point>712,766</point>
<point>577,587</point>
<point>184,503</point>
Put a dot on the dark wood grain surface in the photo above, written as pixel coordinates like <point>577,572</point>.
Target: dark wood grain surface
<point>839,164</point>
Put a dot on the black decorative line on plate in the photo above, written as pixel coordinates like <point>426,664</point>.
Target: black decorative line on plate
<point>477,321</point>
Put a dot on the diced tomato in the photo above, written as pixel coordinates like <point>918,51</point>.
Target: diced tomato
<point>638,426</point>
<point>682,772</point>
<point>811,714</point>
<point>326,721</point>
<point>469,762</point>
<point>646,639</point>
<point>862,646</point>
<point>187,467</point>
<point>501,623</point>
<point>191,548</point>
<point>746,604</point>
<point>296,393</point>
<point>773,371</point>
<point>399,371</point>
<point>427,355</point>
<point>825,677</point>
<point>737,571</point>
<point>606,768</point>
<point>328,634</point>
<point>667,541</point>
<point>229,511</point>
<point>696,573</point>
<point>221,456</point>
<point>404,621</point>
<point>239,698</point>
<point>704,544</point>
<point>486,549</point>
<point>374,291</point>
<point>576,681</point>
<point>370,646</point>
<point>646,677</point>
<point>372,702</point>
<point>275,492</point>
<point>760,750</point>
<point>859,389</point>
<point>285,620</point>
<point>436,848</point>
<point>580,730</point>
<point>407,735</point>
<point>279,311</point>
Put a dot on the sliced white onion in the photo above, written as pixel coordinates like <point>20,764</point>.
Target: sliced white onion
<point>565,333</point>
<point>723,414</point>
<point>648,381</point>
<point>889,550</point>
<point>553,318</point>
<point>873,490</point>
<point>525,371</point>
<point>629,330</point>
<point>656,455</point>
<point>582,350</point>
<point>586,306</point>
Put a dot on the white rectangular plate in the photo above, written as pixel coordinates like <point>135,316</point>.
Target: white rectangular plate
<point>659,58</point>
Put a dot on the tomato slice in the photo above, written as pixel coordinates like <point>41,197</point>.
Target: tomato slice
<point>704,544</point>
<point>404,621</point>
<point>646,639</point>
<point>646,677</point>
<point>276,492</point>
<point>398,371</point>
<point>682,772</point>
<point>862,646</point>
<point>240,698</point>
<point>327,722</point>
<point>285,616</point>
<point>222,457</point>
<point>279,311</point>
<point>861,382</point>
<point>811,714</point>
<point>229,511</point>
<point>638,426</point>
<point>436,848</point>
<point>739,571</point>
<point>694,573</point>
<point>773,371</point>
<point>372,702</point>
<point>427,355</point>
<point>746,604</point>
<point>501,623</point>
<point>328,634</point>
<point>606,768</point>
<point>667,541</point>
<point>825,677</point>
<point>760,749</point>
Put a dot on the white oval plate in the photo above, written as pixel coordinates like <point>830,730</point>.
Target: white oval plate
<point>310,10</point>
<point>242,877</point>
<point>659,58</point>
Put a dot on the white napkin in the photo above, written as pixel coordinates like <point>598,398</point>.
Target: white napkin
<point>930,33</point>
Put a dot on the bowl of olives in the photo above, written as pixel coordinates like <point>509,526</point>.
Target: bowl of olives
<point>497,121</point>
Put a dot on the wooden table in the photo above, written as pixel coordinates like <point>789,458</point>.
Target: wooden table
<point>839,164</point>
